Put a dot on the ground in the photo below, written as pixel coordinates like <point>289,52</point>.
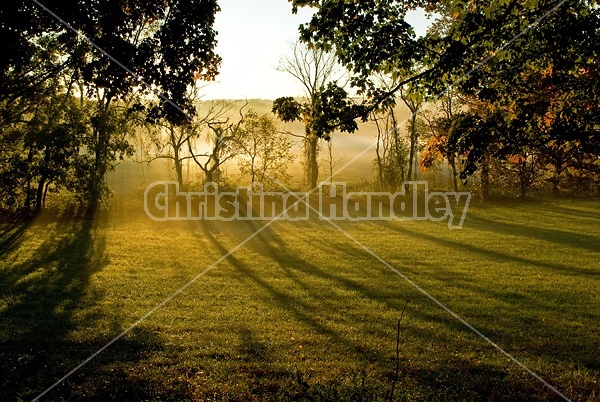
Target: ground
<point>301,311</point>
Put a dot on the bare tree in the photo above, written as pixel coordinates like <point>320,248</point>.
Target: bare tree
<point>391,150</point>
<point>330,160</point>
<point>223,138</point>
<point>413,99</point>
<point>314,69</point>
<point>171,141</point>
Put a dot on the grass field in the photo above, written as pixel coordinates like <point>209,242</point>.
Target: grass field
<point>301,312</point>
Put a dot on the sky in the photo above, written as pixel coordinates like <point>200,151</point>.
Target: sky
<point>252,37</point>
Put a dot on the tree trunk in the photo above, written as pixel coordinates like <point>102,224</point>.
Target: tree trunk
<point>253,167</point>
<point>379,162</point>
<point>558,167</point>
<point>103,133</point>
<point>39,198</point>
<point>100,168</point>
<point>208,176</point>
<point>454,178</point>
<point>395,181</point>
<point>45,193</point>
<point>312,166</point>
<point>176,145</point>
<point>27,203</point>
<point>212,173</point>
<point>178,167</point>
<point>485,178</point>
<point>330,150</point>
<point>413,144</point>
<point>523,178</point>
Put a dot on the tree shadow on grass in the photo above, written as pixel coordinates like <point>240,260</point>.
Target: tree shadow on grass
<point>492,254</point>
<point>576,213</point>
<point>446,380</point>
<point>43,283</point>
<point>300,270</point>
<point>550,330</point>
<point>283,299</point>
<point>11,233</point>
<point>270,244</point>
<point>561,237</point>
<point>47,313</point>
<point>468,379</point>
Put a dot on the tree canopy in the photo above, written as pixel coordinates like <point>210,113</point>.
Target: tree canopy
<point>169,44</point>
<point>534,63</point>
<point>372,37</point>
<point>111,55</point>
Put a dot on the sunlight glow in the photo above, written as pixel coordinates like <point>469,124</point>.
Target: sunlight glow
<point>252,37</point>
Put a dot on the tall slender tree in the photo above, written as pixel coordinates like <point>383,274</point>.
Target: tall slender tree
<point>315,69</point>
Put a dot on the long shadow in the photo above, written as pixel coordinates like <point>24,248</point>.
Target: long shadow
<point>494,255</point>
<point>42,284</point>
<point>46,304</point>
<point>270,244</point>
<point>298,309</point>
<point>571,239</point>
<point>470,379</point>
<point>517,310</point>
<point>578,213</point>
<point>11,235</point>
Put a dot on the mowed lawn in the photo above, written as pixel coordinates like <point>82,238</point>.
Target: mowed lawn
<point>301,311</point>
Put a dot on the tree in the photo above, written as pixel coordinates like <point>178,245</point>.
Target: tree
<point>396,160</point>
<point>315,70</point>
<point>223,138</point>
<point>30,52</point>
<point>391,150</point>
<point>264,151</point>
<point>440,135</point>
<point>413,99</point>
<point>373,37</point>
<point>541,102</point>
<point>171,141</point>
<point>41,147</point>
<point>530,60</point>
<point>167,45</point>
<point>330,160</point>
